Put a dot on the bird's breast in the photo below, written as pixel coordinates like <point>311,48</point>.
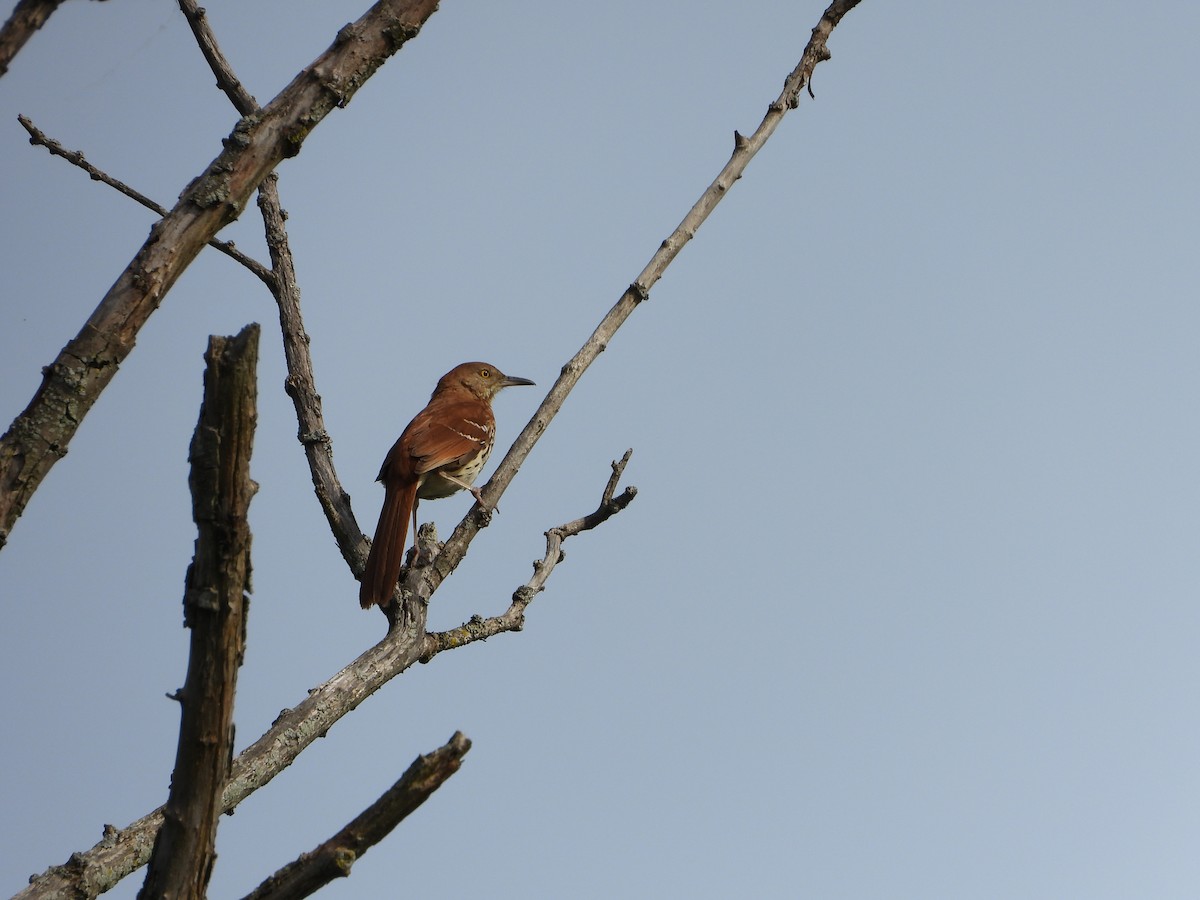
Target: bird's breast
<point>471,468</point>
<point>435,488</point>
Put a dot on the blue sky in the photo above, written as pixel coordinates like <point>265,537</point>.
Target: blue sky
<point>907,603</point>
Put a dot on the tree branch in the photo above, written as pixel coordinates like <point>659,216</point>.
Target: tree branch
<point>215,611</point>
<point>71,384</point>
<point>75,158</point>
<point>243,101</point>
<point>301,386</point>
<point>478,628</point>
<point>27,17</point>
<point>333,859</point>
<point>301,383</point>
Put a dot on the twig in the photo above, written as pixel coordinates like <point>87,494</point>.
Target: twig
<point>197,19</point>
<point>478,628</point>
<point>39,436</point>
<point>333,859</point>
<point>39,138</point>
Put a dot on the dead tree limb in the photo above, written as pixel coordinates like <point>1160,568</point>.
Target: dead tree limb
<point>478,628</point>
<point>214,607</point>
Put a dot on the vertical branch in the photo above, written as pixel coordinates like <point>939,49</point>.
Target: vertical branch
<point>301,383</point>
<point>214,606</point>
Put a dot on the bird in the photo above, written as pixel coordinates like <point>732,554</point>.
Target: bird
<point>440,453</point>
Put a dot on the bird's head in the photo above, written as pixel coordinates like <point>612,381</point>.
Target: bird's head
<point>480,379</point>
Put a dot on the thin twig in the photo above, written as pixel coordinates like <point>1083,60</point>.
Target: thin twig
<point>478,628</point>
<point>39,138</point>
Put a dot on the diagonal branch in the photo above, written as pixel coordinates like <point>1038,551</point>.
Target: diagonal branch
<point>71,384</point>
<point>27,17</point>
<point>333,859</point>
<point>197,18</point>
<point>75,158</point>
<point>424,582</point>
<point>478,628</point>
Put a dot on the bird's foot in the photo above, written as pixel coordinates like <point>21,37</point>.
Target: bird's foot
<point>478,495</point>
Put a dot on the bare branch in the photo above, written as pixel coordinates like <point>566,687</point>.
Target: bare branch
<point>333,859</point>
<point>75,158</point>
<point>425,581</point>
<point>215,611</point>
<point>39,436</point>
<point>197,19</point>
<point>478,628</point>
<point>301,382</point>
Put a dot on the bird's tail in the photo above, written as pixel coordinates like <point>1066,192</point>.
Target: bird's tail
<point>387,550</point>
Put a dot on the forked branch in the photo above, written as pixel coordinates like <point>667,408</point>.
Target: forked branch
<point>478,628</point>
<point>39,138</point>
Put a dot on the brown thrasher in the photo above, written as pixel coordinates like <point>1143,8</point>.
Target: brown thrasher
<point>440,452</point>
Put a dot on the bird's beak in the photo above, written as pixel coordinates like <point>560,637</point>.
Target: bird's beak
<point>513,381</point>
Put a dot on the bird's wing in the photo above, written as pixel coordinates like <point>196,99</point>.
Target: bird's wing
<point>442,434</point>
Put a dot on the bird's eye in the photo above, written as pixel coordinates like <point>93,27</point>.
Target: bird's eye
<point>486,373</point>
